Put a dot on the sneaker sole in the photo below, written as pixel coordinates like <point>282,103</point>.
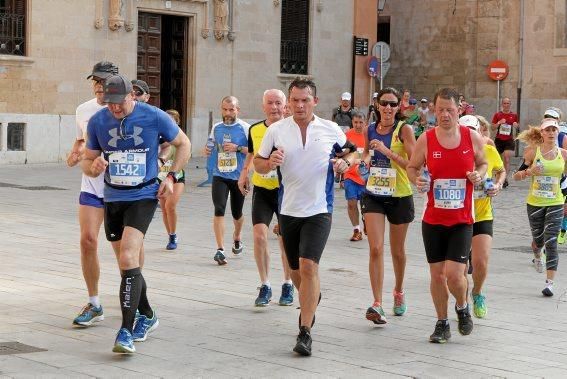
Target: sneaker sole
<point>170,248</point>
<point>142,339</point>
<point>262,304</point>
<point>123,349</point>
<point>376,318</point>
<point>285,304</point>
<point>89,323</point>
<point>302,350</point>
<point>220,262</point>
<point>546,292</point>
<point>399,313</point>
<point>434,340</point>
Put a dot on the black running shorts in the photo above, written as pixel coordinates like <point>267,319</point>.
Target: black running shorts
<point>502,145</point>
<point>447,243</point>
<point>119,214</point>
<point>482,227</point>
<point>305,237</point>
<point>264,205</point>
<point>220,190</point>
<point>398,210</point>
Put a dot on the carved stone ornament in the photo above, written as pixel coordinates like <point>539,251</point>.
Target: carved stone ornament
<point>99,20</point>
<point>115,18</point>
<point>221,14</point>
<point>129,23</point>
<point>276,3</point>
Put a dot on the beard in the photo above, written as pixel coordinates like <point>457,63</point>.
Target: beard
<point>228,120</point>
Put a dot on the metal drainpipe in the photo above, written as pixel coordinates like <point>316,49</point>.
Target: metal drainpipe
<point>520,71</point>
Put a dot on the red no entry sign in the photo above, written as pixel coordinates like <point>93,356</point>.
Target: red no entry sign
<point>497,70</point>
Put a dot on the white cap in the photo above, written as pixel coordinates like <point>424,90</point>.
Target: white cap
<point>424,100</point>
<point>548,122</point>
<point>346,96</point>
<point>375,95</point>
<point>470,121</point>
<point>551,113</point>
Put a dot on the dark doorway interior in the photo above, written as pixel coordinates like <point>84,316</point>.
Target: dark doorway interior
<point>383,29</point>
<point>162,60</point>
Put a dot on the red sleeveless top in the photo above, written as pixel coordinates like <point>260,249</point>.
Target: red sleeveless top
<point>450,197</point>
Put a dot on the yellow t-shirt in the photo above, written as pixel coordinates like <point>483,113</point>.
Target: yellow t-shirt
<point>255,136</point>
<point>545,190</point>
<point>482,202</point>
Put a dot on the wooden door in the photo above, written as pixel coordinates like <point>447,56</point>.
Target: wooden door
<point>149,53</point>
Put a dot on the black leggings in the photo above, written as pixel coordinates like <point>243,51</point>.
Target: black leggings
<point>221,188</point>
<point>545,223</point>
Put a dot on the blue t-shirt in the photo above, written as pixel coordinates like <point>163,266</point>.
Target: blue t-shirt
<point>228,165</point>
<point>130,146</point>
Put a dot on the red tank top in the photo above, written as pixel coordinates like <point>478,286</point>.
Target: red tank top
<point>450,198</point>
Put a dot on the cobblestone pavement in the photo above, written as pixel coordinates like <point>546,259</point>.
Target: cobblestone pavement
<point>209,326</point>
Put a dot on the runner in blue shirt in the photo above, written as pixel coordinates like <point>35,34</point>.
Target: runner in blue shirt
<point>123,141</point>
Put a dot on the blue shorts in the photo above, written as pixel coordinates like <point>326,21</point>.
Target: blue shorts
<point>353,190</point>
<point>91,200</point>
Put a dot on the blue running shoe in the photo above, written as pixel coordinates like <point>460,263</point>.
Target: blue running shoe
<point>144,326</point>
<point>286,297</point>
<point>264,297</point>
<point>89,315</point>
<point>220,257</point>
<point>172,245</point>
<point>124,342</point>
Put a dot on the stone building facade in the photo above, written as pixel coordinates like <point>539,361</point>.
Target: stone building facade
<point>223,47</point>
<point>450,43</point>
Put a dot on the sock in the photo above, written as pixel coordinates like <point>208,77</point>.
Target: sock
<point>144,304</point>
<point>267,283</point>
<point>94,300</point>
<point>236,244</point>
<point>356,227</point>
<point>376,304</point>
<point>288,281</point>
<point>130,290</point>
<point>460,308</point>
<point>444,321</point>
<point>399,292</point>
<point>220,248</point>
<point>173,234</point>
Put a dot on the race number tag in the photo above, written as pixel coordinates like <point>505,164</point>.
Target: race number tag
<point>127,169</point>
<point>165,169</point>
<point>505,129</point>
<point>381,181</point>
<point>359,151</point>
<point>227,162</point>
<point>270,175</point>
<point>449,193</point>
<point>545,187</point>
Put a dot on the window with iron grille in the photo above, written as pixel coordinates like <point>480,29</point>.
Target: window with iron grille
<point>16,136</point>
<point>12,27</point>
<point>294,44</point>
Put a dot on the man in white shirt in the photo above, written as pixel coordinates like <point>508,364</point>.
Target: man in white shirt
<point>301,148</point>
<point>91,212</point>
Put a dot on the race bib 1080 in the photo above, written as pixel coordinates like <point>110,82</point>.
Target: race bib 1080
<point>449,193</point>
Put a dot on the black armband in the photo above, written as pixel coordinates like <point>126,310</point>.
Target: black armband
<point>523,166</point>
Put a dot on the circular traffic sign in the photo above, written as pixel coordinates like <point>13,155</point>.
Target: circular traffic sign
<point>381,50</point>
<point>373,66</point>
<point>497,70</point>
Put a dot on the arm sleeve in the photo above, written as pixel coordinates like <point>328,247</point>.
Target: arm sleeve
<point>167,128</point>
<point>268,143</point>
<point>250,142</point>
<point>92,140</point>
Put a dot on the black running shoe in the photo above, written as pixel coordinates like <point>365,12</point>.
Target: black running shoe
<point>441,333</point>
<point>465,321</point>
<point>303,345</point>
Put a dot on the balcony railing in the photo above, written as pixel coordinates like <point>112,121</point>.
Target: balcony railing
<point>12,34</point>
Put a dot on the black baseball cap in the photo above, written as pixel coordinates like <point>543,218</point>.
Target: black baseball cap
<point>141,85</point>
<point>103,70</point>
<point>116,88</point>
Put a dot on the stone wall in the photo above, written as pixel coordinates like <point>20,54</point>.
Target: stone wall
<point>51,81</point>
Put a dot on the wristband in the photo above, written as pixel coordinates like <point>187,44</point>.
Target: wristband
<point>346,161</point>
<point>172,175</point>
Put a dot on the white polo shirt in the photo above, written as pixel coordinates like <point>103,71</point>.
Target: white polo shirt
<point>307,178</point>
<point>83,114</point>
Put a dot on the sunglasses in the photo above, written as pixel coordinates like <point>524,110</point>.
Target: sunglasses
<point>385,103</point>
<point>138,92</point>
<point>123,131</point>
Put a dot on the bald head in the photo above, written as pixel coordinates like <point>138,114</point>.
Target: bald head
<point>273,103</point>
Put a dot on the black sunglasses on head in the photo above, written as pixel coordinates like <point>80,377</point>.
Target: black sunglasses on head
<point>138,92</point>
<point>385,103</point>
